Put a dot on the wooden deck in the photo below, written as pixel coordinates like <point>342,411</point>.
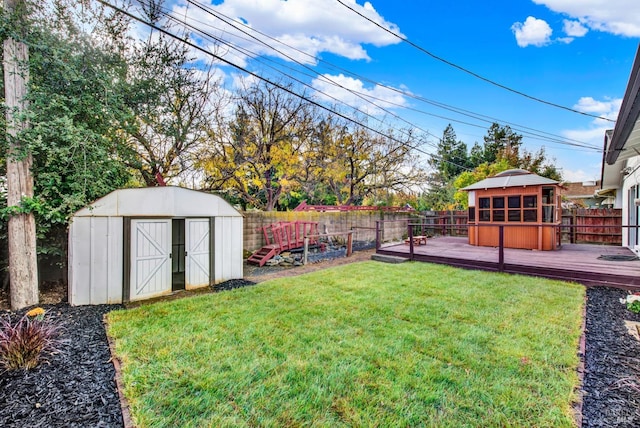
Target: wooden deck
<point>572,262</point>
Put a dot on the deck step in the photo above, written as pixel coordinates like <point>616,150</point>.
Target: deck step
<point>388,259</point>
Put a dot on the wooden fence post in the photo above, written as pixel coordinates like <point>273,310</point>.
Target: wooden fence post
<point>305,252</point>
<point>410,236</point>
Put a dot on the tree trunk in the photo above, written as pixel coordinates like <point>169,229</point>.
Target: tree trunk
<point>23,264</point>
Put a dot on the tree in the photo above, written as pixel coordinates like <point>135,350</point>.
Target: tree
<point>173,99</point>
<point>451,157</point>
<point>396,168</point>
<point>479,173</point>
<point>320,181</point>
<point>76,106</point>
<point>538,163</point>
<point>499,142</point>
<point>502,143</point>
<point>501,151</point>
<point>259,159</point>
<point>361,166</point>
<point>449,161</point>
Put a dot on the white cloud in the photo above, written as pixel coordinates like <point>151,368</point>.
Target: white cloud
<point>243,81</point>
<point>594,133</point>
<point>608,108</point>
<point>620,17</point>
<point>353,93</point>
<point>574,28</point>
<point>304,28</point>
<point>533,31</point>
<point>565,40</point>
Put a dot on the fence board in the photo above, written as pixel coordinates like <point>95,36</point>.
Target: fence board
<point>602,226</point>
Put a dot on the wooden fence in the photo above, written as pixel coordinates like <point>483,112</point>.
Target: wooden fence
<point>446,223</point>
<point>599,226</point>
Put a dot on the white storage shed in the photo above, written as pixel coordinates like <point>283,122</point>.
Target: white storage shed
<point>135,244</point>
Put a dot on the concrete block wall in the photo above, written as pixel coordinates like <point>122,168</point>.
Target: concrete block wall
<point>363,224</point>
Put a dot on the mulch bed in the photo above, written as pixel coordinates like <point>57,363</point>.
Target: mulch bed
<point>612,371</point>
<point>76,388</point>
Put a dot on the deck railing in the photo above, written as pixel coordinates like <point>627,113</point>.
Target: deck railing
<point>415,229</point>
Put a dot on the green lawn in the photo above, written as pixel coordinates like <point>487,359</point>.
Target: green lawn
<point>366,344</point>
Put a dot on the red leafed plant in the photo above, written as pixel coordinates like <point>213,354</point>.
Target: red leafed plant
<point>24,344</point>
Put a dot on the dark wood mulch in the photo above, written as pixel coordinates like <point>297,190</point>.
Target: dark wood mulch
<point>76,387</point>
<point>612,370</point>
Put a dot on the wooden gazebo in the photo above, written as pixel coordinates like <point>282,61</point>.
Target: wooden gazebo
<point>525,204</point>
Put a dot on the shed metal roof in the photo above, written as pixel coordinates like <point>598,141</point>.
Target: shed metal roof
<point>511,179</point>
<point>160,201</point>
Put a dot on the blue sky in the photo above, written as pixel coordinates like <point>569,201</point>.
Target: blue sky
<point>573,53</point>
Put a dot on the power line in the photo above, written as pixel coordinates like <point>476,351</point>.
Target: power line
<point>476,75</point>
<point>274,84</point>
<point>364,97</point>
<point>535,134</point>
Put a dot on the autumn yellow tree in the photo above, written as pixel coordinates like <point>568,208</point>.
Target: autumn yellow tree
<point>259,157</point>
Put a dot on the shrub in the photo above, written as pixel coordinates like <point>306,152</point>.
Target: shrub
<point>632,301</point>
<point>634,306</point>
<point>23,345</point>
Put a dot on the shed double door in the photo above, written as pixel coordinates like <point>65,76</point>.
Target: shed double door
<point>151,253</point>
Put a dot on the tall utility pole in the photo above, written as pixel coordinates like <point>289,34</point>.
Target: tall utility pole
<point>23,262</point>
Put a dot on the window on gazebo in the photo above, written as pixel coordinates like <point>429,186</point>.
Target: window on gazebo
<point>515,212</point>
<point>548,205</point>
<point>530,208</point>
<point>484,209</point>
<point>498,208</point>
<point>513,209</point>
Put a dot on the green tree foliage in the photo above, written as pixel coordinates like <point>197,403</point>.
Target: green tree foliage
<point>501,150</point>
<point>479,173</point>
<point>451,160</point>
<point>451,157</point>
<point>500,142</point>
<point>75,106</point>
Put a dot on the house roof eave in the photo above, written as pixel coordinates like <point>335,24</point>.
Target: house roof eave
<point>629,116</point>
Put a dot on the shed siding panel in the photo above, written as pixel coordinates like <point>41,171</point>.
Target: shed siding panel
<point>95,268</point>
<point>228,248</point>
<point>115,260</point>
<point>99,259</point>
<point>80,263</point>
